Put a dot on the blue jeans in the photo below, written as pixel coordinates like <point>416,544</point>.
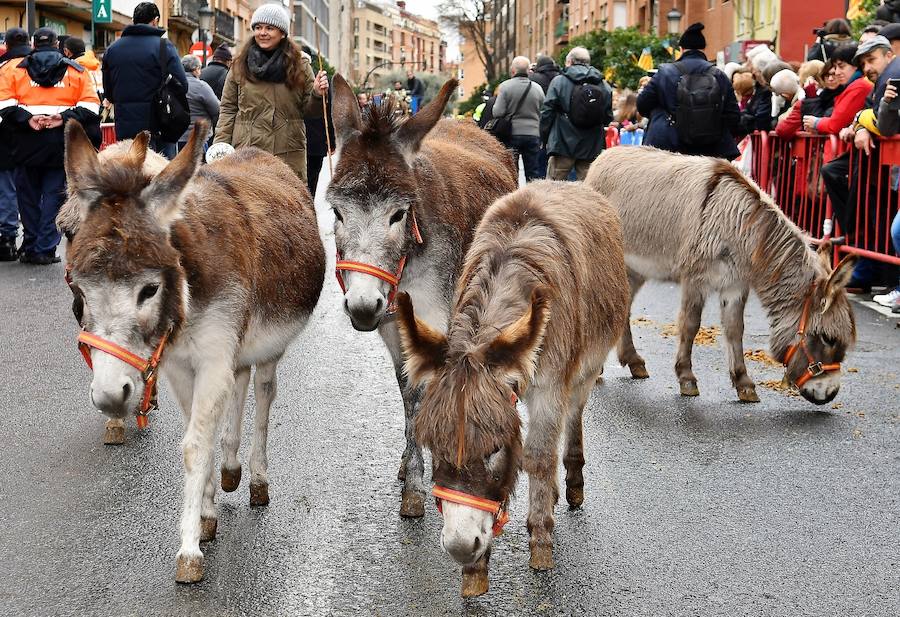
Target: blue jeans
<point>414,103</point>
<point>9,208</point>
<point>543,157</point>
<point>529,148</point>
<point>168,150</point>
<point>41,192</point>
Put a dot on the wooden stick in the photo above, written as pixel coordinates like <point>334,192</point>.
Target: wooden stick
<point>324,99</point>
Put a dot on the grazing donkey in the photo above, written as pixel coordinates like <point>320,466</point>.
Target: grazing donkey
<point>700,222</point>
<point>218,269</point>
<point>406,196</point>
<point>542,299</point>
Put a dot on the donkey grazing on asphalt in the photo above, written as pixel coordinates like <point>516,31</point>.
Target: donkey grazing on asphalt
<point>700,222</point>
<point>406,197</point>
<point>220,269</point>
<point>542,299</point>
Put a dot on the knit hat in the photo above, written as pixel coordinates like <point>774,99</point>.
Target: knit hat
<point>273,15</point>
<point>44,37</point>
<point>16,37</point>
<point>222,52</point>
<point>693,37</point>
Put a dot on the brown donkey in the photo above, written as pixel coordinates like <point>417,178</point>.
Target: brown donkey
<point>542,299</point>
<point>215,269</point>
<point>700,222</point>
<point>406,196</point>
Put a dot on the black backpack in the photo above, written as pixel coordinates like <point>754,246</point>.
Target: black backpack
<point>590,105</point>
<point>698,111</point>
<point>172,116</point>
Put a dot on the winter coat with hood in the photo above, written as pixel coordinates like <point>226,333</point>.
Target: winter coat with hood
<point>46,83</point>
<point>658,101</point>
<point>544,72</point>
<point>214,74</point>
<point>7,143</point>
<point>561,136</point>
<point>268,115</point>
<point>132,77</point>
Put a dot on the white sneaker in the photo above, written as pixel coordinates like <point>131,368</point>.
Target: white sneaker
<point>888,299</point>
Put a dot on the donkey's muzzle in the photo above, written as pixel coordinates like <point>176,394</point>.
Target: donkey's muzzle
<point>365,315</point>
<point>113,398</point>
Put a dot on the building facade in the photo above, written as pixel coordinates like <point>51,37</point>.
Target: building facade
<point>417,42</point>
<point>471,69</point>
<point>231,24</point>
<point>503,33</point>
<point>372,47</point>
<point>71,17</point>
<point>312,25</point>
<point>542,27</point>
<point>788,24</point>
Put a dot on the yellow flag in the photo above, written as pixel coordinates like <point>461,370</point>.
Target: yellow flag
<point>855,9</point>
<point>646,60</point>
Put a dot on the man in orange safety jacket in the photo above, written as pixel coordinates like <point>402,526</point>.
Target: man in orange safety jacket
<point>38,95</point>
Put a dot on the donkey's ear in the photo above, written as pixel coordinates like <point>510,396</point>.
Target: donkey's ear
<point>424,348</point>
<point>515,349</point>
<point>81,157</point>
<point>414,130</point>
<point>825,253</point>
<point>344,110</point>
<point>838,280</point>
<point>137,153</point>
<point>163,194</point>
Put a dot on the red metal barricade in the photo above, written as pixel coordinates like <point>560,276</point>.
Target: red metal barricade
<point>873,203</point>
<point>612,137</point>
<point>108,132</point>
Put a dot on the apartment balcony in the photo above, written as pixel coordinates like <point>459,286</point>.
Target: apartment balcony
<point>187,12</point>
<point>225,26</point>
<point>562,32</point>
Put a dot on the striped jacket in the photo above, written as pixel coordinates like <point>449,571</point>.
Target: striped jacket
<point>45,83</point>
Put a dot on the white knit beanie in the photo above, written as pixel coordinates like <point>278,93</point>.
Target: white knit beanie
<point>273,15</point>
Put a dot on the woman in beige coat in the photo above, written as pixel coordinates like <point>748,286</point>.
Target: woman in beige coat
<point>269,90</point>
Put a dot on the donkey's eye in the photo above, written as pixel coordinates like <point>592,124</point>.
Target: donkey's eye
<point>147,292</point>
<point>828,340</point>
<point>397,216</point>
<point>337,215</point>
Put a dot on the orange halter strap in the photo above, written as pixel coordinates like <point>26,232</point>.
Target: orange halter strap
<point>815,368</point>
<point>149,368</point>
<point>498,509</point>
<point>390,278</point>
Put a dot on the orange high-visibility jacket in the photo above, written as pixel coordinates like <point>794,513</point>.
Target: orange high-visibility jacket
<point>28,88</point>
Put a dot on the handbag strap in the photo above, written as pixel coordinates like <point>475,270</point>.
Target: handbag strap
<point>163,53</point>
<point>521,100</point>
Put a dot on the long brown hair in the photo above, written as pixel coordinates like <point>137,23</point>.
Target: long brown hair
<point>627,108</point>
<point>293,64</point>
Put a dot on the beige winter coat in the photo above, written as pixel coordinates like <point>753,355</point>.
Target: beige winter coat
<point>269,116</point>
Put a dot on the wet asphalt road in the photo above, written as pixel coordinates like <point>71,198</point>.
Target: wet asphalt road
<point>693,506</point>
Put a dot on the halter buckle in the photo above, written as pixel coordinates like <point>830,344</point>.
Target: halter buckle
<point>815,369</point>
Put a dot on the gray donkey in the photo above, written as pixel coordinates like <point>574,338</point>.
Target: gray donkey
<point>700,222</point>
<point>406,196</point>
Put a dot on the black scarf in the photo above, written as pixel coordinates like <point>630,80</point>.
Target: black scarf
<point>266,66</point>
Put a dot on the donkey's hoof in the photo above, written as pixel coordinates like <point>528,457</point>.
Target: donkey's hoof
<point>231,479</point>
<point>259,494</point>
<point>747,394</point>
<point>189,569</point>
<point>412,505</point>
<point>114,435</point>
<point>689,388</point>
<point>638,371</point>
<point>474,581</point>
<point>208,529</point>
<point>541,556</point>
<point>575,496</point>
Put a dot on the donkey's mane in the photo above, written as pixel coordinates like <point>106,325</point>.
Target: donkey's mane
<point>380,120</point>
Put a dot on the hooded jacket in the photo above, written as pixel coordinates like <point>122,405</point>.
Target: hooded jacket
<point>7,142</point>
<point>561,136</point>
<point>214,74</point>
<point>132,77</point>
<point>658,101</point>
<point>544,72</point>
<point>46,83</point>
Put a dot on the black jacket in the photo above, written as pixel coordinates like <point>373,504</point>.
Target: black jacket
<point>132,77</point>
<point>415,86</point>
<point>7,142</point>
<point>658,101</point>
<point>316,145</point>
<point>543,74</point>
<point>757,115</point>
<point>214,74</point>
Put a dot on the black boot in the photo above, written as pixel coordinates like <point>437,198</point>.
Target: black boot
<point>8,248</point>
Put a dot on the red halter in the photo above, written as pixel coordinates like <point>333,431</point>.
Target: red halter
<point>148,368</point>
<point>501,516</point>
<point>815,368</point>
<point>388,277</point>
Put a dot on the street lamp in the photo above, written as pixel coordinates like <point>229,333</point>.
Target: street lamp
<point>205,17</point>
<point>673,18</point>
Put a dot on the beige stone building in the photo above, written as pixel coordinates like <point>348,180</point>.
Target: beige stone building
<point>231,23</point>
<point>371,54</point>
<point>471,69</point>
<point>541,28</point>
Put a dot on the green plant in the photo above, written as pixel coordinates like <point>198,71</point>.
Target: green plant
<point>865,16</point>
<point>616,53</point>
<point>432,83</point>
<point>468,106</point>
